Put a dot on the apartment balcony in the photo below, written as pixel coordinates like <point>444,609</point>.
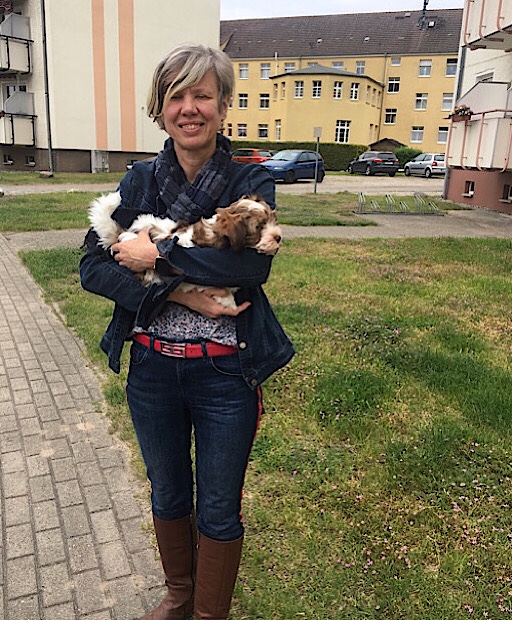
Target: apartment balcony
<point>15,45</point>
<point>487,24</point>
<point>17,120</point>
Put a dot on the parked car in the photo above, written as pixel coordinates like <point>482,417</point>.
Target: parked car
<point>375,162</point>
<point>426,164</point>
<point>250,156</point>
<point>293,164</point>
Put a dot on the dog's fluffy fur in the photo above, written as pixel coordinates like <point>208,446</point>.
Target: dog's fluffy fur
<point>249,222</point>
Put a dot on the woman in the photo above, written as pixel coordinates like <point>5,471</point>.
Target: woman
<point>193,363</point>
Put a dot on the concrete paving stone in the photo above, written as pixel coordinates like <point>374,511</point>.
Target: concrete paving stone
<point>33,444</point>
<point>79,392</point>
<point>64,469</point>
<point>26,608</point>
<point>38,386</point>
<point>9,423</point>
<point>110,457</point>
<point>5,395</point>
<point>20,383</point>
<point>89,474</point>
<point>19,541</point>
<point>50,547</point>
<point>104,526</point>
<point>56,585</point>
<point>125,505</point>
<point>11,364</point>
<point>135,539</point>
<point>101,615</point>
<point>99,435</point>
<point>127,601</point>
<point>65,611</point>
<point>60,447</point>
<point>114,561</point>
<point>71,417</point>
<point>26,411</point>
<point>75,520</point>
<point>41,488</point>
<point>55,429</point>
<point>17,511</point>
<point>37,465</point>
<point>58,388</point>
<point>13,461</point>
<point>21,577</point>
<point>69,493</point>
<point>97,498</point>
<point>149,567</point>
<point>43,399</point>
<point>83,452</point>
<point>30,426</point>
<point>89,592</point>
<point>4,383</point>
<point>48,413</point>
<point>64,401</point>
<point>32,367</point>
<point>15,484</point>
<point>117,479</point>
<point>45,516</point>
<point>82,553</point>
<point>22,397</point>
<point>73,378</point>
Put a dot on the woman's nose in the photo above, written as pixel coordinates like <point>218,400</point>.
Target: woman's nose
<point>188,104</point>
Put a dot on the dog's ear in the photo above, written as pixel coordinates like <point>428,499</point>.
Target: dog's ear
<point>233,228</point>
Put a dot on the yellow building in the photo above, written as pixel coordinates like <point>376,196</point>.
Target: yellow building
<point>362,78</point>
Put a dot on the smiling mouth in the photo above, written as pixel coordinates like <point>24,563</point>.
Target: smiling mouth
<point>190,126</point>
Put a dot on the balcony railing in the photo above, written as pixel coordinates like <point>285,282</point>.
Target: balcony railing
<point>483,141</point>
<point>17,129</point>
<point>15,45</point>
<point>488,24</point>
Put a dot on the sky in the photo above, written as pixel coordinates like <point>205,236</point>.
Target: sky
<point>244,9</point>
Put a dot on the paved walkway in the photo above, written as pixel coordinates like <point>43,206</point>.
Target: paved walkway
<point>72,541</point>
<point>71,536</point>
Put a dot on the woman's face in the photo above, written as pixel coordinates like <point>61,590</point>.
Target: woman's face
<point>192,118</point>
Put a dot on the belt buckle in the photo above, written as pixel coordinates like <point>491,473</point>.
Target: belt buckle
<point>173,349</point>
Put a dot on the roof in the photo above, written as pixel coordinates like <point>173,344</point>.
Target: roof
<point>355,34</point>
<point>323,70</point>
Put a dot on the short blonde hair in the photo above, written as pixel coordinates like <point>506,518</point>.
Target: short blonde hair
<point>184,66</point>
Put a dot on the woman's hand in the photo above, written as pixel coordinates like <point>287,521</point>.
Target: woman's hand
<point>203,302</point>
<point>137,254</point>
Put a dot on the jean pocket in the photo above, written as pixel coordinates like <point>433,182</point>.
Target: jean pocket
<point>226,365</point>
<point>138,353</point>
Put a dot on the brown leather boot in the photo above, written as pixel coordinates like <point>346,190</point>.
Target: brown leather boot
<point>217,567</point>
<point>177,545</point>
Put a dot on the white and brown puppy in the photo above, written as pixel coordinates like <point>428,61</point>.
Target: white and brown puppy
<point>247,223</point>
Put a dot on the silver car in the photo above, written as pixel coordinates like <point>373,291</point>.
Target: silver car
<point>426,165</point>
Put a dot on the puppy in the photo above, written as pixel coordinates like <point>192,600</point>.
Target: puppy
<point>248,222</point>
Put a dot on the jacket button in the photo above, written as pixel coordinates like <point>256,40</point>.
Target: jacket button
<point>254,382</point>
<point>243,345</point>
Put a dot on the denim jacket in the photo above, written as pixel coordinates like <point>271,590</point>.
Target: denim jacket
<point>263,347</point>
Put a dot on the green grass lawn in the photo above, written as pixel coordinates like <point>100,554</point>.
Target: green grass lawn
<point>380,485</point>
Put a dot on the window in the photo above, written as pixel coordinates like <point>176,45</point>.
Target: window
<point>442,135</point>
<point>243,101</point>
<point>417,134</point>
<point>447,101</point>
<point>338,64</point>
<point>277,129</point>
<point>276,89</point>
<point>396,61</point>
<point>263,132</point>
<point>374,96</point>
<point>425,68</point>
<point>242,130</point>
<point>368,93</point>
<point>421,101</point>
<point>299,89</point>
<point>8,160</point>
<point>337,90</point>
<point>394,85</point>
<point>507,194</point>
<point>451,66</point>
<point>341,134</point>
<point>313,64</point>
<point>283,90</point>
<point>390,117</point>
<point>317,89</point>
<point>354,91</point>
<point>30,160</point>
<point>265,70</point>
<point>360,65</point>
<point>264,101</point>
<point>243,71</point>
<point>230,130</point>
<point>469,189</point>
<point>289,66</point>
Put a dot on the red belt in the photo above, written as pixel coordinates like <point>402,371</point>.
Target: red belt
<point>178,349</point>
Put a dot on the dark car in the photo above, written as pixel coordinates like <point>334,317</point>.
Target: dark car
<point>250,156</point>
<point>292,165</point>
<point>375,162</point>
<point>426,164</point>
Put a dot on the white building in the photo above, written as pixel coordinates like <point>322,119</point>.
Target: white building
<point>74,77</point>
<point>479,149</point>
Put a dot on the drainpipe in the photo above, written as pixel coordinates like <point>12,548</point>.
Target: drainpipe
<point>457,95</point>
<point>46,88</point>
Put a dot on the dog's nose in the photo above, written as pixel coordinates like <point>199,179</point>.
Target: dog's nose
<point>278,238</point>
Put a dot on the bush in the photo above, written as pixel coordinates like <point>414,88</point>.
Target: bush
<point>336,156</point>
<point>405,154</point>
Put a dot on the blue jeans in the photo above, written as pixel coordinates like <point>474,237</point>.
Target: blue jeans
<point>168,397</point>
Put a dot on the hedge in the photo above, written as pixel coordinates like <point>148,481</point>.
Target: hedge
<point>336,156</point>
